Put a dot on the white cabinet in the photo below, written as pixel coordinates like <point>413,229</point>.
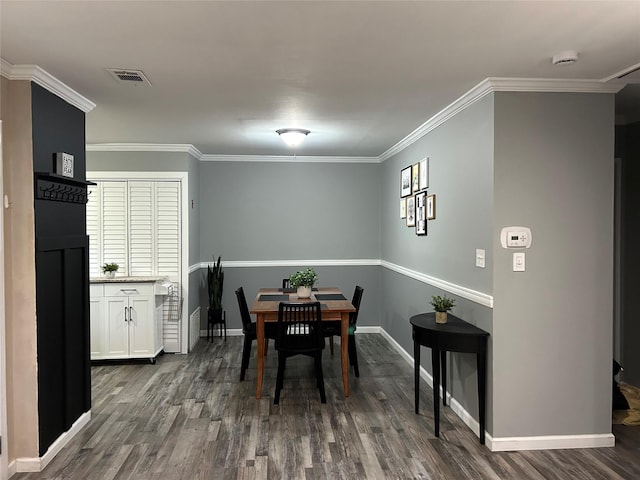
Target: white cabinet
<point>126,321</point>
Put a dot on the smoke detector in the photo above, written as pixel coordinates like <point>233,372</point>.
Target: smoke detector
<point>568,57</point>
<point>133,77</point>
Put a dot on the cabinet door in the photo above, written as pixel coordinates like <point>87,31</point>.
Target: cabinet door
<point>97,327</point>
<point>116,335</point>
<point>141,328</point>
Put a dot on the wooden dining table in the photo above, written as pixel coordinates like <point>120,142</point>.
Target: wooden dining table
<point>334,306</point>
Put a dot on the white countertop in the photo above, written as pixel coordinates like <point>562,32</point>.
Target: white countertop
<point>124,279</point>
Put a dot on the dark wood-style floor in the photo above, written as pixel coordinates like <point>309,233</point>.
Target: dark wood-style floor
<point>189,417</point>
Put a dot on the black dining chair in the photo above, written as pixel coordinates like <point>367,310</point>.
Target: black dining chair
<point>333,328</point>
<point>299,333</point>
<point>249,331</point>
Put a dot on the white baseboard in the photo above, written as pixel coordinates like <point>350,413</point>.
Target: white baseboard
<point>550,442</point>
<point>506,444</point>
<point>37,464</point>
<point>194,328</point>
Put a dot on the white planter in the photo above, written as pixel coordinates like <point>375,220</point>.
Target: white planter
<point>109,274</point>
<point>304,292</point>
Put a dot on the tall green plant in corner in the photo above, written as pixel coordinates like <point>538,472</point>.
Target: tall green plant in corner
<point>215,282</point>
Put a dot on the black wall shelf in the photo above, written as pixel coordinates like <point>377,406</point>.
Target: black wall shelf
<point>51,186</point>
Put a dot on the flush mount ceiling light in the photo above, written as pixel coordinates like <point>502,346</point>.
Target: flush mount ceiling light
<point>568,57</point>
<point>292,136</point>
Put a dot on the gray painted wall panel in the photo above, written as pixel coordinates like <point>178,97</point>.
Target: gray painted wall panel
<point>274,211</point>
<point>461,176</point>
<point>553,323</point>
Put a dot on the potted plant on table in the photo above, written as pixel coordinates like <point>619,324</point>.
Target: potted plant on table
<point>215,283</point>
<point>303,280</point>
<point>441,305</point>
<point>109,269</point>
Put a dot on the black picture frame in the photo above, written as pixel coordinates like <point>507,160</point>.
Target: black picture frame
<point>421,219</point>
<point>411,211</point>
<point>405,182</point>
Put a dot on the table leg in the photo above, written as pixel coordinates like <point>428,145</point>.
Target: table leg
<point>443,361</point>
<point>416,373</point>
<point>260,341</point>
<point>435,365</point>
<point>344,351</point>
<point>482,391</point>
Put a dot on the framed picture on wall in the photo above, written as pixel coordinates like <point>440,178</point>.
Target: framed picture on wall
<point>431,207</point>
<point>403,208</point>
<point>421,219</point>
<point>415,177</point>
<point>411,211</point>
<point>405,182</point>
<point>424,173</point>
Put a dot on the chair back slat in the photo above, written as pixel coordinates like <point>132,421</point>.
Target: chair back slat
<point>299,327</point>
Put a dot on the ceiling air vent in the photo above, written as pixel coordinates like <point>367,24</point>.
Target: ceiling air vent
<point>134,77</point>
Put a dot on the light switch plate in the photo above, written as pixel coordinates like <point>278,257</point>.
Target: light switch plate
<point>518,262</point>
<point>479,257</point>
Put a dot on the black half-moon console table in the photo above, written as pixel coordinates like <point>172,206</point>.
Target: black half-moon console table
<point>454,336</point>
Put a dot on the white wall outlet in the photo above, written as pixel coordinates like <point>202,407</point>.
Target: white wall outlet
<point>479,257</point>
<point>518,261</point>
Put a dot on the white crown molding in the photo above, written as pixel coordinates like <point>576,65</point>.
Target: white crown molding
<point>496,84</point>
<point>146,147</point>
<point>37,75</point>
<point>621,73</point>
<point>289,158</point>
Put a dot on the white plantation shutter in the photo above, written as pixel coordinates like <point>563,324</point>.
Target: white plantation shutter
<point>94,230</point>
<point>115,225</point>
<point>136,224</point>
<point>141,229</point>
<point>168,229</point>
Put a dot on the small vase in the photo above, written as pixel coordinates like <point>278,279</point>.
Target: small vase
<point>441,317</point>
<point>110,274</point>
<point>304,292</point>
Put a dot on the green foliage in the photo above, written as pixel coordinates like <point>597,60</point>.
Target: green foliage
<point>110,267</point>
<point>442,303</point>
<point>215,281</point>
<point>303,278</point>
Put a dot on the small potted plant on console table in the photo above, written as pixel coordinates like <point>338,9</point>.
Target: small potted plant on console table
<point>303,280</point>
<point>441,305</point>
<point>109,269</point>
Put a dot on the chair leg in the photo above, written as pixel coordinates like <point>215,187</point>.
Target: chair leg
<point>245,357</point>
<point>282,360</point>
<point>209,332</point>
<point>353,354</point>
<point>320,377</point>
<point>331,344</point>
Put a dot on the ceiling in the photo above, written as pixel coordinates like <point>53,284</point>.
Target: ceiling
<point>360,75</point>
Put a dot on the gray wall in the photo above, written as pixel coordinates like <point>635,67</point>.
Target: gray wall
<point>272,211</point>
<point>461,176</point>
<point>552,325</point>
